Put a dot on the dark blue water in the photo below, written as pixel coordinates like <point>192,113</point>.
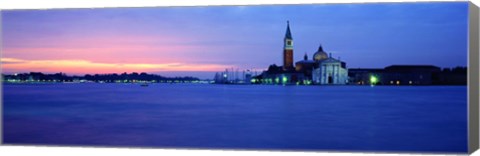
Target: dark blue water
<point>352,118</point>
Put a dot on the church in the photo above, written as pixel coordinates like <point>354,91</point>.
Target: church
<point>322,69</point>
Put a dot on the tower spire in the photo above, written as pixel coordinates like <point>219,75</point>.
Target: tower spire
<point>288,34</point>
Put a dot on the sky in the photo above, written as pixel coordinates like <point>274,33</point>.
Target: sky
<point>199,41</point>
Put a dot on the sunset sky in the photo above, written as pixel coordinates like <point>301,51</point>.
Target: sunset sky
<point>198,41</point>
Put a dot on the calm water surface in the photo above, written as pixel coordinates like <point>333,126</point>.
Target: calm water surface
<point>353,118</point>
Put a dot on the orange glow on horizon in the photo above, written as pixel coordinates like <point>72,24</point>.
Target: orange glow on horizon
<point>88,67</point>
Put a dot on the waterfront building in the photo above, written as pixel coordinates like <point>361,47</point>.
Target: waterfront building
<point>305,66</point>
<point>330,71</point>
<point>397,75</point>
<point>361,76</point>
<point>408,75</point>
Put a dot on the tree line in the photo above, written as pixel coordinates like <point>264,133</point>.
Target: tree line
<point>123,77</point>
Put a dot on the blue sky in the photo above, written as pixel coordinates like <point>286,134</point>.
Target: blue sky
<point>207,39</point>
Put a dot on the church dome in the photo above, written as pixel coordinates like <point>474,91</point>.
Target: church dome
<point>320,54</point>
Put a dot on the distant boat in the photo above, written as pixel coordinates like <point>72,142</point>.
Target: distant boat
<point>144,85</point>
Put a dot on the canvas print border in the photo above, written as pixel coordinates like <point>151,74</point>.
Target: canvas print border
<point>473,109</point>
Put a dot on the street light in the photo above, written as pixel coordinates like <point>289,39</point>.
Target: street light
<point>373,80</point>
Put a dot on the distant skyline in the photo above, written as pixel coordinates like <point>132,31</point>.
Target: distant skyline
<point>198,41</point>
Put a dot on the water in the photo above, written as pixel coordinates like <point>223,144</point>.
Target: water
<point>334,118</point>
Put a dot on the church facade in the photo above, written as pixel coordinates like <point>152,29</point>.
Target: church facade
<point>322,69</point>
<point>330,71</point>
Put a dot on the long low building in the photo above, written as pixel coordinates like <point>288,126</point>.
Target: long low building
<point>408,75</point>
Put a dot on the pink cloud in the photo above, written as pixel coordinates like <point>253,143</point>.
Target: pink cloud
<point>110,49</point>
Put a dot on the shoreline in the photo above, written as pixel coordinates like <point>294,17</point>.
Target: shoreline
<point>204,82</point>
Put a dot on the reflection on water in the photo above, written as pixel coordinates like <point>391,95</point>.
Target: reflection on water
<point>381,118</point>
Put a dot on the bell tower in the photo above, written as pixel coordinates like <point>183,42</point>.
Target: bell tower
<point>288,49</point>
